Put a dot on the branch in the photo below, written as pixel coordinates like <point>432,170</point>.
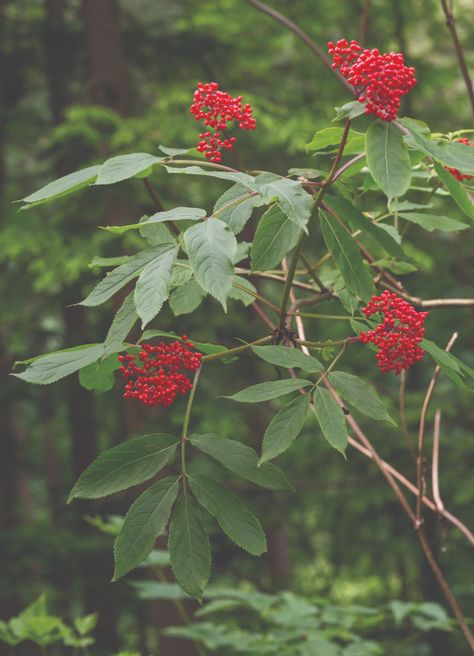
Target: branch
<point>451,23</point>
<point>420,482</point>
<point>293,27</point>
<point>435,463</point>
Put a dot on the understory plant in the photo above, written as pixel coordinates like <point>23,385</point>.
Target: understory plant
<point>255,249</point>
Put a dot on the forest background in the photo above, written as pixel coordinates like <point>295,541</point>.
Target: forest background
<point>82,81</point>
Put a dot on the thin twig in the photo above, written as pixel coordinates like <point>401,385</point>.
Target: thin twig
<point>158,204</point>
<point>435,463</point>
<point>420,480</point>
<point>256,308</point>
<point>433,302</point>
<point>293,27</point>
<point>451,23</point>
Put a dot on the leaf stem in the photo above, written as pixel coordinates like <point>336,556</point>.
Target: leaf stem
<point>237,349</point>
<point>187,416</point>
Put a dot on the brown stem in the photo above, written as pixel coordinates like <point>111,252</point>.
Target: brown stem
<point>364,19</point>
<point>434,302</point>
<point>435,463</point>
<point>293,27</point>
<point>451,23</point>
<point>258,310</point>
<point>420,479</point>
<point>158,204</point>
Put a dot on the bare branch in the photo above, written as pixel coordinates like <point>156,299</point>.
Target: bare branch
<point>435,463</point>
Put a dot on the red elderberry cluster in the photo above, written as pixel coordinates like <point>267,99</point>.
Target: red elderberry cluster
<point>160,377</point>
<point>379,79</point>
<point>217,109</point>
<point>457,174</point>
<point>398,335</point>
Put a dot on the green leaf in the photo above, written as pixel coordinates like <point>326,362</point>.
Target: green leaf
<point>347,258</point>
<point>291,197</point>
<point>388,159</point>
<point>85,624</point>
<point>456,190</point>
<point>108,261</point>
<point>155,233</point>
<point>188,545</point>
<point>211,247</point>
<point>176,214</point>
<point>234,518</point>
<point>242,460</point>
<point>119,277</point>
<point>359,221</point>
<point>239,294</point>
<point>47,369</point>
<point>448,363</point>
<point>99,376</point>
<point>124,167</point>
<point>122,466</point>
<point>331,419</point>
<point>285,427</point>
<point>153,285</point>
<point>332,137</point>
<point>268,391</point>
<point>235,207</point>
<point>432,222</point>
<point>182,273</point>
<point>62,187</point>
<point>360,395</point>
<point>121,325</point>
<point>242,178</point>
<point>173,152</point>
<point>203,347</point>
<point>274,237</point>
<point>186,299</point>
<point>144,522</point>
<point>352,109</point>
<point>452,154</point>
<point>284,356</point>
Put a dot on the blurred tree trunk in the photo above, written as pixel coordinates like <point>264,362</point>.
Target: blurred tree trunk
<point>107,83</point>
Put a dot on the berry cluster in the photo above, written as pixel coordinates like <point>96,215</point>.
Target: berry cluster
<point>457,174</point>
<point>398,335</point>
<point>160,377</point>
<point>217,108</point>
<point>379,79</point>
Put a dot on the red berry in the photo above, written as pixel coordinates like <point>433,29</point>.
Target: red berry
<point>218,108</point>
<point>398,336</point>
<point>161,377</point>
<point>379,79</point>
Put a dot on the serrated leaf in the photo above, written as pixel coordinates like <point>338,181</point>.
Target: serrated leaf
<point>119,277</point>
<point>99,376</point>
<point>124,167</point>
<point>235,207</point>
<point>188,545</point>
<point>347,258</point>
<point>291,197</point>
<point>176,214</point>
<point>234,518</point>
<point>122,466</point>
<point>121,325</point>
<point>47,369</point>
<point>274,237</point>
<point>186,299</point>
<point>456,190</point>
<point>268,391</point>
<point>239,294</point>
<point>242,178</point>
<point>211,248</point>
<point>182,273</point>
<point>387,158</point>
<point>358,393</point>
<point>332,137</point>
<point>284,428</point>
<point>173,152</point>
<point>449,364</point>
<point>144,522</point>
<point>284,356</point>
<point>155,233</point>
<point>331,419</point>
<point>242,460</point>
<point>153,285</point>
<point>452,154</point>
<point>358,221</point>
<point>432,222</point>
<point>62,186</point>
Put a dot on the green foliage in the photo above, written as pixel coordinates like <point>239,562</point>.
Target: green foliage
<point>288,357</point>
<point>331,419</point>
<point>274,237</point>
<point>284,428</point>
<point>387,158</point>
<point>267,391</point>
<point>358,393</point>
